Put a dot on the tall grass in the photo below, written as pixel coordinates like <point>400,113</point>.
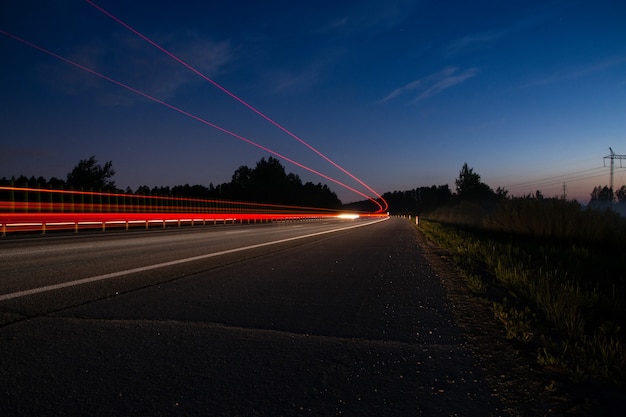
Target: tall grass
<point>556,219</point>
<point>561,267</point>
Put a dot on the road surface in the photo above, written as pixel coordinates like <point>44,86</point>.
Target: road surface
<point>352,323</point>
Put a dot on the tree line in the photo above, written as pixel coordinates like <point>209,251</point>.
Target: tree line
<point>469,187</point>
<point>471,190</point>
<point>267,182</point>
<point>604,197</point>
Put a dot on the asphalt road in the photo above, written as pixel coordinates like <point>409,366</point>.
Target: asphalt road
<point>352,323</point>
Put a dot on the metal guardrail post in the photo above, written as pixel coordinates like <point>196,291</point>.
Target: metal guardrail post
<point>12,196</point>
<point>50,200</point>
<point>38,198</point>
<point>26,200</point>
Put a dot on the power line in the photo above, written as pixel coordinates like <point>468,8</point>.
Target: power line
<point>561,176</point>
<point>557,182</point>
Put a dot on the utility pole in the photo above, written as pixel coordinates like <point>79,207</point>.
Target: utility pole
<point>613,156</point>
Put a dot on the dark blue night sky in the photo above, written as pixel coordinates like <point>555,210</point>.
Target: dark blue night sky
<point>400,93</point>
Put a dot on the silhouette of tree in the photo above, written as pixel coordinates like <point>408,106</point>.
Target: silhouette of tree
<point>469,186</point>
<point>601,197</point>
<point>620,194</point>
<point>270,183</point>
<point>267,183</point>
<point>88,174</point>
<point>317,195</point>
<point>241,183</point>
<point>602,194</point>
<point>56,183</point>
<point>143,190</point>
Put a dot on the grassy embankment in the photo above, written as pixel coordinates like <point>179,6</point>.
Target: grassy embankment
<point>556,275</point>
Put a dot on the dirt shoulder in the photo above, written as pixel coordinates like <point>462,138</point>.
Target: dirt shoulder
<point>525,387</point>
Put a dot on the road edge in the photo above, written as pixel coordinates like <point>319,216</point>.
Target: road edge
<point>511,371</point>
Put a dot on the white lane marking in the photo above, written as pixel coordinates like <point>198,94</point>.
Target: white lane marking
<point>103,277</point>
<point>20,252</point>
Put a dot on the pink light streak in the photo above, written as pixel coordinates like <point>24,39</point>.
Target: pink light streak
<point>198,118</point>
<point>240,100</point>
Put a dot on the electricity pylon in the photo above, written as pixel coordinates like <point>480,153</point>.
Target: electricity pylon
<point>613,157</point>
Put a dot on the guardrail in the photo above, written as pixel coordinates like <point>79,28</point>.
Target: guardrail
<point>44,222</point>
<point>43,210</point>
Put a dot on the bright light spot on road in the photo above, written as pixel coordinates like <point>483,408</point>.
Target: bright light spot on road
<point>348,216</point>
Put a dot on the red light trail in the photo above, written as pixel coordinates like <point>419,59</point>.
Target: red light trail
<point>136,203</point>
<point>42,210</point>
<point>240,100</point>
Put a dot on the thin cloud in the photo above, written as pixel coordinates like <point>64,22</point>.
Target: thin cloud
<point>432,84</point>
<point>408,87</point>
<point>447,82</point>
<point>207,56</point>
<point>288,83</point>
<point>575,73</point>
<point>366,16</point>
<point>142,67</point>
<point>474,42</point>
<point>300,79</point>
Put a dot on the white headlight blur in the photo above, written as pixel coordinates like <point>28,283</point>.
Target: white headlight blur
<point>350,216</point>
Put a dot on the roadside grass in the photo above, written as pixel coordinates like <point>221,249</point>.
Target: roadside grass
<point>558,289</point>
